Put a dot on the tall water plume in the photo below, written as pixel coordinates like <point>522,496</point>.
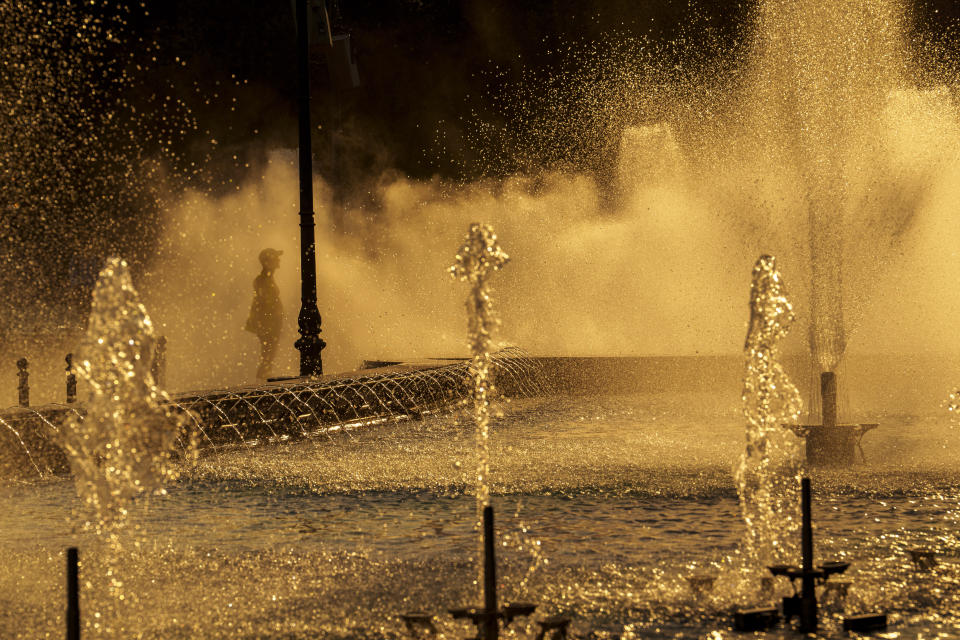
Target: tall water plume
<point>122,448</point>
<point>823,73</point>
<point>476,260</point>
<point>768,475</point>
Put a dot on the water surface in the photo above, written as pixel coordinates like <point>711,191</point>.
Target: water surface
<point>604,506</point>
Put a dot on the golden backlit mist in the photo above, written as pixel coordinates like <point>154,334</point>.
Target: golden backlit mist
<point>826,148</point>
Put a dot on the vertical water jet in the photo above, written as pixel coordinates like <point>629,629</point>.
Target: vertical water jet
<point>476,260</point>
<point>123,446</point>
<point>769,469</point>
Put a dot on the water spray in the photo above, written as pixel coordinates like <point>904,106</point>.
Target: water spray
<point>769,470</point>
<point>480,256</point>
<point>123,446</point>
<point>477,259</point>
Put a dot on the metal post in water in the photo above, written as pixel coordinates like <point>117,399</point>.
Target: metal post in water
<point>828,398</point>
<point>23,382</point>
<point>73,594</point>
<point>71,380</point>
<point>158,368</point>
<point>310,344</point>
<point>808,595</point>
<point>491,622</point>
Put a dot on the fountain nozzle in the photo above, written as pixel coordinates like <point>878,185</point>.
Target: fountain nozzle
<point>832,443</point>
<point>828,396</point>
<point>808,593</point>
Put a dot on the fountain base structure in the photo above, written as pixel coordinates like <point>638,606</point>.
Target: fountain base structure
<point>394,390</point>
<point>830,443</point>
<point>285,409</point>
<point>803,603</point>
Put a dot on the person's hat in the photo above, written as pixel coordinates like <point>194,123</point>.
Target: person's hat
<point>267,254</point>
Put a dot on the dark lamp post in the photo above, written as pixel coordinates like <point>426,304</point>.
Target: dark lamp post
<point>310,344</point>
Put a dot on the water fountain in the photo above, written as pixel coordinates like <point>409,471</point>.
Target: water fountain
<point>769,469</point>
<point>803,603</point>
<point>825,108</point>
<point>830,442</point>
<point>122,446</point>
<point>298,520</point>
<point>481,255</point>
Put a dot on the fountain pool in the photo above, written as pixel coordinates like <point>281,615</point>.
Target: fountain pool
<point>606,505</point>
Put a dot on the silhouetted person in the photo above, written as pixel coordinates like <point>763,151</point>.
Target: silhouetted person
<point>266,312</point>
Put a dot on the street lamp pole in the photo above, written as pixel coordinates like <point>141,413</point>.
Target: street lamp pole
<point>310,344</point>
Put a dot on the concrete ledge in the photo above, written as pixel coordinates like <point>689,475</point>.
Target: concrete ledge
<point>277,411</point>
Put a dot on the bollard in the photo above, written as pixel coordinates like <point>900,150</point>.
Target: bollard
<point>158,368</point>
<point>491,626</point>
<point>23,384</point>
<point>73,594</point>
<point>71,380</point>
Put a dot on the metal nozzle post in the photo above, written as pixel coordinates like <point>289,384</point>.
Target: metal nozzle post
<point>73,594</point>
<point>23,382</point>
<point>158,367</point>
<point>808,595</point>
<point>491,624</point>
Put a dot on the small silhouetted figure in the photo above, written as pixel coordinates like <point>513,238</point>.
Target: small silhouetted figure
<point>266,312</point>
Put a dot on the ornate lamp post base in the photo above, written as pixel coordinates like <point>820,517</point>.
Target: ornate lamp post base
<point>310,344</point>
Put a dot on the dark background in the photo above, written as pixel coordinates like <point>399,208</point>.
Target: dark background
<point>429,68</point>
<point>200,90</point>
<point>424,64</point>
